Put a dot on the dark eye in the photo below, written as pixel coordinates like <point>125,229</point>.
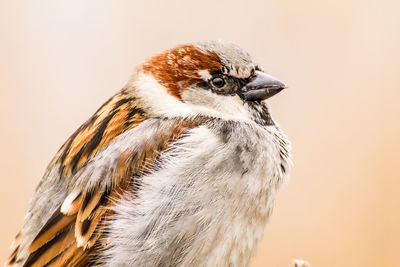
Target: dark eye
<point>218,82</point>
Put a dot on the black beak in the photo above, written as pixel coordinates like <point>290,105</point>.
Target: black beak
<point>261,87</point>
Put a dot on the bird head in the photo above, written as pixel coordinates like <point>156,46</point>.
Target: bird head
<point>215,78</point>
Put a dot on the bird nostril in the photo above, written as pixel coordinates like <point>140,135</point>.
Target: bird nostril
<point>243,89</point>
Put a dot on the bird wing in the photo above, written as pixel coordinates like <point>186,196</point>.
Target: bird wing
<point>72,204</point>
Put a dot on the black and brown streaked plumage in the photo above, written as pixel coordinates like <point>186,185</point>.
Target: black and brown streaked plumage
<point>149,178</point>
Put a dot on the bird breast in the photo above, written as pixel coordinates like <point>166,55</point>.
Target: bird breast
<point>207,203</point>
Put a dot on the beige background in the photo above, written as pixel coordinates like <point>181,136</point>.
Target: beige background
<point>59,60</point>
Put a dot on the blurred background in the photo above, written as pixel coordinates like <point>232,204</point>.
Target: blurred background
<point>60,60</point>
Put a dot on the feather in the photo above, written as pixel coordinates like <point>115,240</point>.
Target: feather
<point>90,202</point>
<point>56,224</point>
<point>72,203</point>
<point>70,235</point>
<point>84,229</point>
<point>51,249</point>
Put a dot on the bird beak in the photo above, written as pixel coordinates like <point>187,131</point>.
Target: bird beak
<point>261,87</point>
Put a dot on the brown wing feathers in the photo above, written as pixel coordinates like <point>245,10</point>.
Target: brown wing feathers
<point>117,115</point>
<point>54,226</point>
<point>78,223</point>
<point>93,208</point>
<point>52,248</point>
<point>67,236</point>
<point>70,236</point>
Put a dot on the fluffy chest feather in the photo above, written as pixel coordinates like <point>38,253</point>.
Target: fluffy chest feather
<point>208,202</point>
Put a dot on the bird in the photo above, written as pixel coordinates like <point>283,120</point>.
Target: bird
<point>181,167</point>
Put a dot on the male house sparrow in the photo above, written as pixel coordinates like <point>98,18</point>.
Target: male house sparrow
<point>179,168</point>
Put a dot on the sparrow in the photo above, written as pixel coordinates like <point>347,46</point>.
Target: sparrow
<point>179,168</point>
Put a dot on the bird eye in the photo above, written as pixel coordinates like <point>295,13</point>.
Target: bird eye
<point>218,82</point>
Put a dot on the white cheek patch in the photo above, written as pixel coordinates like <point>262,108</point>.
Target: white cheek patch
<point>205,102</point>
<point>157,99</point>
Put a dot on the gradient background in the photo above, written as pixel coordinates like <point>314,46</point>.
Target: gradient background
<point>60,60</point>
